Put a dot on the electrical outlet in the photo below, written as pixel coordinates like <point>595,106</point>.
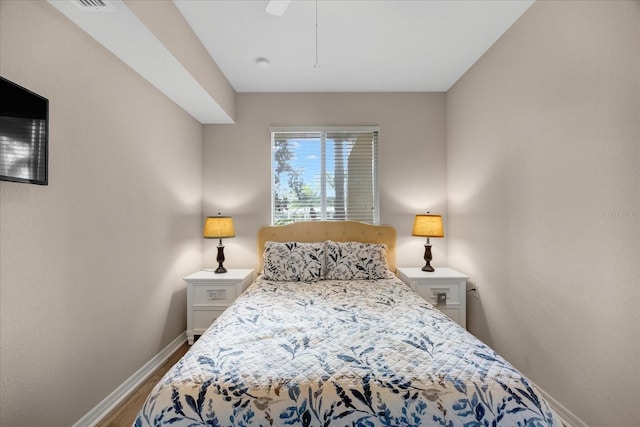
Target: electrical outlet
<point>474,291</point>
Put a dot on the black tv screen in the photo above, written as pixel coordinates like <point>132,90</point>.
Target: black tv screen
<point>24,130</point>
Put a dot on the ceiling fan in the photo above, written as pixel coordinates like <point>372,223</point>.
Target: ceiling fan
<point>277,7</point>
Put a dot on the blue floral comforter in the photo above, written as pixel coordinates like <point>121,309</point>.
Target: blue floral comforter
<point>341,353</point>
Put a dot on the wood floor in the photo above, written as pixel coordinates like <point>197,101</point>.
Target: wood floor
<point>125,413</point>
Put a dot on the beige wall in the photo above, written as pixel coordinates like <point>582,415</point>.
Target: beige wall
<point>411,150</point>
<point>544,202</point>
<point>91,265</point>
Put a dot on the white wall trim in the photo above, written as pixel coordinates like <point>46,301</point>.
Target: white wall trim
<point>92,417</point>
<point>569,418</point>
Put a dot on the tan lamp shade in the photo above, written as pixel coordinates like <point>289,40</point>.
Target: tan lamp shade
<point>428,226</point>
<point>217,227</point>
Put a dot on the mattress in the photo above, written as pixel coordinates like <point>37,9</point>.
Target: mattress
<point>341,353</point>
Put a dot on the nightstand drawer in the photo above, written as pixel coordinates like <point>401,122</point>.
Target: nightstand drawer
<point>202,319</point>
<point>214,295</point>
<point>430,290</point>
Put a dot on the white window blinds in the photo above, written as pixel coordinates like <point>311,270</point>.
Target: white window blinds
<point>324,174</point>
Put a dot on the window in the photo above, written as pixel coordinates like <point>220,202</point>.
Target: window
<point>324,174</point>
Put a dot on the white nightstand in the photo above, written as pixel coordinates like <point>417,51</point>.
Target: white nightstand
<point>444,281</point>
<point>209,294</point>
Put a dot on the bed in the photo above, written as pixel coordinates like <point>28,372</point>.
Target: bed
<point>328,336</point>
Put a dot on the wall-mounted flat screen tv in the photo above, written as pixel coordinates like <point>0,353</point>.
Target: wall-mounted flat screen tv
<point>24,129</point>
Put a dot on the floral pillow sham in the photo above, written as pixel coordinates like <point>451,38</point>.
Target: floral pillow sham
<point>294,261</point>
<point>356,261</point>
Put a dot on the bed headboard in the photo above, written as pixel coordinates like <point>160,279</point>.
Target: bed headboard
<point>338,231</point>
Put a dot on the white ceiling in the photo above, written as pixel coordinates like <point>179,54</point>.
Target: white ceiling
<point>363,45</point>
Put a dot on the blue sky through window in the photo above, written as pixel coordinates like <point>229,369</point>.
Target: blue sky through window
<point>308,158</point>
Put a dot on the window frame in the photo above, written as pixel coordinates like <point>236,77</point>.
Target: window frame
<point>324,130</point>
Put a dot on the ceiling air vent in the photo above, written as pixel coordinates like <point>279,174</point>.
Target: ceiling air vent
<point>93,5</point>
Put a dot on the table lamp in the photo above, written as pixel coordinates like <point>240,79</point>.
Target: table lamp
<point>427,226</point>
<point>219,227</point>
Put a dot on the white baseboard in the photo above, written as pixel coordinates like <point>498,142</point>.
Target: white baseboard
<point>569,418</point>
<point>112,400</point>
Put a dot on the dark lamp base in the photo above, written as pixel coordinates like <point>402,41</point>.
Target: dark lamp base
<point>428,268</point>
<point>220,258</point>
<point>427,258</point>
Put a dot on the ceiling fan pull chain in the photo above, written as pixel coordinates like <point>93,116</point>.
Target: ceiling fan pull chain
<point>317,65</point>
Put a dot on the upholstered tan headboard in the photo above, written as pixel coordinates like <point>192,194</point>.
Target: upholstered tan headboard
<point>338,231</point>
